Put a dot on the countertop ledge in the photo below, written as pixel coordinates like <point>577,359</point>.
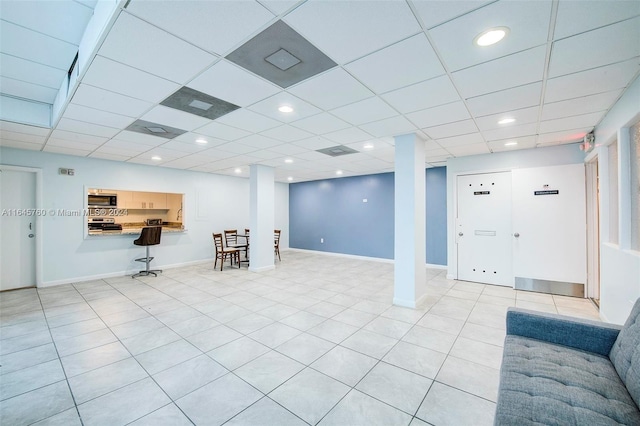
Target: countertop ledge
<point>132,231</point>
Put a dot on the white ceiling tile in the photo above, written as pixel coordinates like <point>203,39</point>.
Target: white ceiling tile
<point>604,46</point>
<point>129,81</point>
<point>451,129</point>
<point>435,153</point>
<point>434,12</point>
<point>528,23</point>
<point>165,154</point>
<point>71,136</point>
<point>237,148</point>
<point>510,71</point>
<point>140,45</point>
<point>389,127</point>
<point>320,123</point>
<point>365,111</point>
<point>23,128</point>
<point>65,150</point>
<point>129,149</point>
<point>522,116</point>
<point>10,143</point>
<point>247,120</point>
<point>96,116</point>
<point>603,79</point>
<point>430,93</point>
<point>356,27</point>
<point>455,111</point>
<point>313,144</point>
<point>265,154</point>
<point>471,138</point>
<point>140,138</point>
<point>211,154</point>
<point>510,132</point>
<point>407,62</point>
<point>216,26</point>
<point>269,107</point>
<point>185,147</point>
<point>36,46</point>
<point>286,133</point>
<point>279,6</point>
<point>475,149</point>
<point>584,105</point>
<point>182,163</point>
<point>343,89</point>
<point>175,118</point>
<point>64,20</point>
<point>146,160</point>
<point>108,156</point>
<point>32,72</point>
<point>21,137</point>
<point>221,131</point>
<point>258,141</point>
<point>233,84</point>
<point>288,149</point>
<point>576,122</point>
<point>576,16</point>
<point>349,135</point>
<point>506,100</point>
<point>105,100</point>
<point>86,128</point>
<point>26,90</point>
<point>71,144</point>
<point>522,143</point>
<point>563,137</point>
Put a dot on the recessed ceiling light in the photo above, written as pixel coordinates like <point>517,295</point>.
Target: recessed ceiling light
<point>512,143</point>
<point>202,141</point>
<point>507,120</point>
<point>238,170</point>
<point>288,160</point>
<point>338,172</point>
<point>285,108</point>
<point>368,146</point>
<point>156,158</point>
<point>491,36</point>
<point>289,178</point>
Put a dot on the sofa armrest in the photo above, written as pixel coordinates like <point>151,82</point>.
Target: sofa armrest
<point>591,336</point>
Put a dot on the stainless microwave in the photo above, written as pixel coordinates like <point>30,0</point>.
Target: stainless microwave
<point>102,200</point>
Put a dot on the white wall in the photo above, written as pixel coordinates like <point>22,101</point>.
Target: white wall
<point>500,161</point>
<point>212,203</point>
<point>619,265</point>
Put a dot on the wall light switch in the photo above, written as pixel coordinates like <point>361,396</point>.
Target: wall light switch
<point>364,200</point>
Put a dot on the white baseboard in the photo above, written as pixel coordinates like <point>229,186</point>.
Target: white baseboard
<point>262,269</point>
<point>353,256</point>
<point>434,266</point>
<point>118,273</point>
<point>451,277</point>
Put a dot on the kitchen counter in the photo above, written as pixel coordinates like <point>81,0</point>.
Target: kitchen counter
<point>134,230</point>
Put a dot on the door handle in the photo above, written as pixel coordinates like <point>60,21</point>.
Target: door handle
<point>460,234</point>
<point>31,235</point>
<point>516,235</point>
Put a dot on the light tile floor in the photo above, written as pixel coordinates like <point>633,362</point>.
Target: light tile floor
<point>315,341</point>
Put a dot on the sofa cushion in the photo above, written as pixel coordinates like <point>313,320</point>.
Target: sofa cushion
<point>625,353</point>
<point>543,383</point>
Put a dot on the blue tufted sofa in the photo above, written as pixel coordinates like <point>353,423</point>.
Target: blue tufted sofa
<point>559,370</point>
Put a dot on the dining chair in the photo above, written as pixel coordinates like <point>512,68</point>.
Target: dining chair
<point>276,237</point>
<point>232,240</point>
<point>222,252</point>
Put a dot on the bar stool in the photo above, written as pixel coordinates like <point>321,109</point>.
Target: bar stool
<point>150,236</point>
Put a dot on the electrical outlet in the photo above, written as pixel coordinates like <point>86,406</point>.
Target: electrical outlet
<point>321,240</point>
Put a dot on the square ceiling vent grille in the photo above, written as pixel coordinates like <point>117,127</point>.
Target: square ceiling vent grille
<point>337,151</point>
<point>194,102</point>
<point>281,55</point>
<point>155,129</point>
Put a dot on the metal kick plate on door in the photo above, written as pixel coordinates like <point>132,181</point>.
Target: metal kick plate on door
<point>485,233</point>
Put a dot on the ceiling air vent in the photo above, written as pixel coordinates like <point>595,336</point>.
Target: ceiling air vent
<point>337,151</point>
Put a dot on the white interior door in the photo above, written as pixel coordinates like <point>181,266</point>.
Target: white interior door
<point>17,230</point>
<point>549,225</point>
<point>483,233</point>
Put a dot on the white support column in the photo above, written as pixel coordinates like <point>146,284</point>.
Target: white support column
<point>261,218</point>
<point>410,210</point>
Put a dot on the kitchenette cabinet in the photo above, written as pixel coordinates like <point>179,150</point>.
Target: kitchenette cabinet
<point>148,200</point>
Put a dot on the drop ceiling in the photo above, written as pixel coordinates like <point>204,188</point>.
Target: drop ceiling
<point>394,67</point>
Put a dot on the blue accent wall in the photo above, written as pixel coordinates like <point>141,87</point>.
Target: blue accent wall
<point>436,211</point>
<point>333,209</point>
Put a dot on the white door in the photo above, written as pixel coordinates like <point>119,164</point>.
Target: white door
<point>17,229</point>
<point>483,233</point>
<point>549,225</point>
